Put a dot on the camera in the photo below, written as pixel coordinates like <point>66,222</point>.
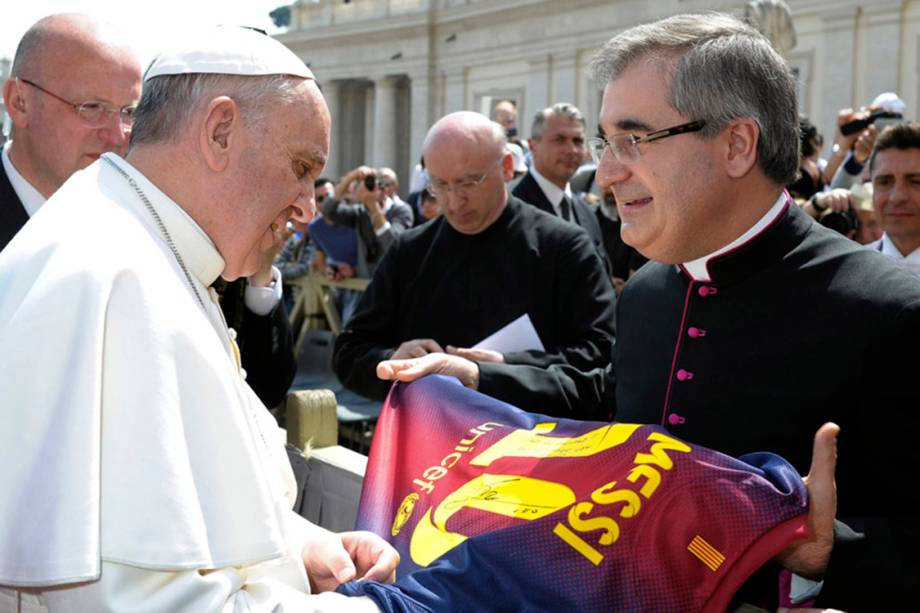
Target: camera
<point>370,182</point>
<point>858,125</point>
<point>843,222</point>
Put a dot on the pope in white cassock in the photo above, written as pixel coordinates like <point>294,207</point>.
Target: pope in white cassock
<point>139,471</point>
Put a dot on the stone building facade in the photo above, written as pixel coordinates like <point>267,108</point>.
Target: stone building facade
<point>390,68</point>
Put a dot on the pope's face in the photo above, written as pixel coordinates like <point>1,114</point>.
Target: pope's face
<point>284,155</point>
<point>667,199</point>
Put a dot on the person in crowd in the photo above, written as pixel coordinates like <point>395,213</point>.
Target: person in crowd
<point>810,178</point>
<point>389,185</point>
<point>895,170</point>
<point>519,167</point>
<point>164,484</point>
<point>71,95</point>
<point>430,206</point>
<point>376,217</point>
<point>505,114</point>
<point>489,260</point>
<point>557,145</point>
<point>295,260</point>
<point>624,259</point>
<point>753,325</point>
<point>851,151</point>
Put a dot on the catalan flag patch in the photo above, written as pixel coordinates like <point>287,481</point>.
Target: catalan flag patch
<point>708,555</point>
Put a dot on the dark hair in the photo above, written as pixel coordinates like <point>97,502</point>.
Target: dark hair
<point>808,136</point>
<point>899,136</point>
<point>724,70</point>
<point>321,181</point>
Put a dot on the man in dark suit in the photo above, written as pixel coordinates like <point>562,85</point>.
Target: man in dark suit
<point>71,95</point>
<point>557,148</point>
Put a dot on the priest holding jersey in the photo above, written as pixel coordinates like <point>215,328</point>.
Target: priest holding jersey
<point>140,471</point>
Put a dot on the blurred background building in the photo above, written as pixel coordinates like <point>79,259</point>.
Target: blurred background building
<point>390,68</point>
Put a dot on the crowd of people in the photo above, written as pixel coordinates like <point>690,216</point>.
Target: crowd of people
<point>696,264</point>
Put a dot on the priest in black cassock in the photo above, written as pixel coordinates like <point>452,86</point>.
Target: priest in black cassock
<point>752,325</point>
<point>488,260</point>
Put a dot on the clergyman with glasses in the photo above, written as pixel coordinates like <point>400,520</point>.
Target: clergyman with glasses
<point>488,260</point>
<point>71,95</point>
<point>752,326</point>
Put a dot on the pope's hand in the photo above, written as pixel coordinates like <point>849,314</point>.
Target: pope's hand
<point>809,558</point>
<point>332,559</point>
<point>416,348</point>
<point>431,364</point>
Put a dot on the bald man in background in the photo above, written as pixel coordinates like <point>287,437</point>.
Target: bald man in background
<point>71,97</point>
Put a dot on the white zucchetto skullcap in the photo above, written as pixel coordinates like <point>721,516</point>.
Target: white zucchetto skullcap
<point>230,51</point>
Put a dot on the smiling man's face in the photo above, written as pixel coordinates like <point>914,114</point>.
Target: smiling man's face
<point>667,200</point>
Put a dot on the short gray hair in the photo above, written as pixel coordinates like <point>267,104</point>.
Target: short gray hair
<point>169,101</point>
<point>724,70</point>
<point>563,109</point>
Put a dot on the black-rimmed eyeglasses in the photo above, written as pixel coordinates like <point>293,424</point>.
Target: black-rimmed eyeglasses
<point>94,114</point>
<point>625,147</point>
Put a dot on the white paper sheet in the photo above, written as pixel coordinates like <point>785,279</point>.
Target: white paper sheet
<point>519,335</point>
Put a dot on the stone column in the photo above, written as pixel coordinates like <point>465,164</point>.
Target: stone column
<point>419,117</point>
<point>564,78</point>
<point>537,93</point>
<point>384,122</point>
<point>454,85</point>
<point>880,53</point>
<point>331,92</point>
<point>838,88</point>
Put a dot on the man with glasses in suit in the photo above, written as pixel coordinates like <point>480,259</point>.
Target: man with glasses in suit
<point>71,95</point>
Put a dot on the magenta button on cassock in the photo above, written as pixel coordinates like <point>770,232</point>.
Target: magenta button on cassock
<point>694,332</point>
<point>675,419</point>
<point>684,375</point>
<point>707,290</point>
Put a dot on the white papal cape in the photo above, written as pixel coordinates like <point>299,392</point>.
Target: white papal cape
<point>129,437</point>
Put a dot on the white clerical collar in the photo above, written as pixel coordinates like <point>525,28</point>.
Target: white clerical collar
<point>698,269</point>
<point>196,248</point>
<point>551,190</point>
<point>888,248</point>
<point>30,197</point>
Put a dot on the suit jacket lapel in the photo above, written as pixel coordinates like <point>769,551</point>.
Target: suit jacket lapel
<point>12,214</point>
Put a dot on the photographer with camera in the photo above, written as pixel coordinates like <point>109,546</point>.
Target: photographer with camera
<point>855,137</point>
<point>376,218</point>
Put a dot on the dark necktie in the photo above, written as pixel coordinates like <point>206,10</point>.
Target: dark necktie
<point>566,207</point>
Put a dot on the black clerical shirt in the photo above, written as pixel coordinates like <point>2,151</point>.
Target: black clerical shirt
<point>457,289</point>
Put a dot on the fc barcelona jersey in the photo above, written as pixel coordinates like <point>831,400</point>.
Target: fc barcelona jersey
<point>495,509</point>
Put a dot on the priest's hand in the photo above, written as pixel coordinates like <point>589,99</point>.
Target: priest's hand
<point>332,559</point>
<point>477,355</point>
<point>431,364</point>
<point>416,348</point>
<point>809,558</point>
